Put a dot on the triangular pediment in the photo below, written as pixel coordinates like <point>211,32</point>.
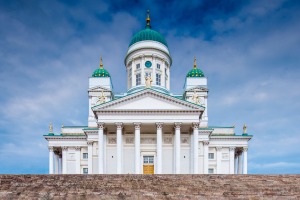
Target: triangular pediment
<point>99,89</point>
<point>148,100</point>
<point>197,89</point>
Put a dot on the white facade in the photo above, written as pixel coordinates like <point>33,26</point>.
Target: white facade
<point>147,129</point>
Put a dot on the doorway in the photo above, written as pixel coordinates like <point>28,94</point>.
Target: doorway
<point>148,164</point>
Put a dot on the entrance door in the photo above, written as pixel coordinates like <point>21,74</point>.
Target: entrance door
<point>148,166</point>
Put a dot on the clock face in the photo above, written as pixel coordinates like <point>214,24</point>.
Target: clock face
<point>148,64</point>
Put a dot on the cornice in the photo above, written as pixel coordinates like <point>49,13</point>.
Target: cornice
<point>78,138</point>
<point>230,137</point>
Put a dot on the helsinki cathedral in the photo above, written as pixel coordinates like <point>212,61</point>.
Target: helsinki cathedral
<point>148,129</point>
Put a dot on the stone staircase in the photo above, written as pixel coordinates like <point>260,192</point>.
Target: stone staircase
<point>252,187</point>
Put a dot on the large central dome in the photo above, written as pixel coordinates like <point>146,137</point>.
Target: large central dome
<point>148,34</point>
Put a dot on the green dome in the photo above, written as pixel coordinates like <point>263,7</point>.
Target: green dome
<point>100,73</point>
<point>148,34</point>
<point>195,73</point>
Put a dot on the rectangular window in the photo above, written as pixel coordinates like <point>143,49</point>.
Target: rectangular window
<point>158,76</point>
<point>138,79</point>
<point>148,159</point>
<point>147,74</point>
<point>210,170</point>
<point>85,170</point>
<point>85,155</point>
<point>211,156</point>
<point>158,66</point>
<point>138,66</point>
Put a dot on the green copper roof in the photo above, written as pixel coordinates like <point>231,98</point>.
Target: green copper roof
<point>195,72</point>
<point>148,34</point>
<point>101,72</point>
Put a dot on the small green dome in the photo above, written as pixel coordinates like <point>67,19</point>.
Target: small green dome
<point>101,72</point>
<point>195,73</point>
<point>148,34</point>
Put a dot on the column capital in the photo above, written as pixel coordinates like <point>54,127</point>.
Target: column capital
<point>177,125</point>
<point>195,125</point>
<point>64,148</point>
<point>205,142</point>
<point>159,125</point>
<point>137,125</point>
<point>245,149</point>
<point>232,148</point>
<point>219,148</point>
<point>100,125</point>
<point>50,149</point>
<point>89,142</point>
<point>119,125</point>
<point>77,148</point>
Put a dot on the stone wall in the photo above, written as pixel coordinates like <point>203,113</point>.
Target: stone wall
<point>149,187</point>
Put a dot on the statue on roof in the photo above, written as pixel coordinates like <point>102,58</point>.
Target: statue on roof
<point>245,129</point>
<point>148,81</point>
<point>102,98</point>
<point>195,98</point>
<point>50,128</point>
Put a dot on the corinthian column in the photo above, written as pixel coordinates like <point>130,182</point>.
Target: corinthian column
<point>77,156</point>
<point>119,147</point>
<point>51,158</point>
<point>219,161</point>
<point>245,168</point>
<point>90,157</point>
<point>137,147</point>
<point>100,148</point>
<point>64,160</point>
<point>195,147</point>
<point>177,148</point>
<point>231,159</point>
<point>159,147</point>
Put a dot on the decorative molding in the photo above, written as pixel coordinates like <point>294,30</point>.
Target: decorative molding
<point>119,125</point>
<point>177,125</point>
<point>112,140</point>
<point>205,142</point>
<point>129,140</point>
<point>167,140</point>
<point>137,125</point>
<point>148,140</point>
<point>77,148</point>
<point>159,125</point>
<point>51,149</point>
<point>100,125</point>
<point>89,142</point>
<point>185,140</point>
<point>64,148</point>
<point>245,149</point>
<point>195,125</point>
<point>219,148</point>
<point>232,148</point>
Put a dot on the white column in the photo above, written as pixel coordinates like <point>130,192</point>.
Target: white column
<point>205,159</point>
<point>51,159</point>
<point>100,148</point>
<point>240,162</point>
<point>231,159</point>
<point>195,148</point>
<point>245,167</point>
<point>56,163</point>
<point>132,73</point>
<point>64,159</point>
<point>119,147</point>
<point>60,164</point>
<point>77,157</point>
<point>159,147</point>
<point>219,160</point>
<point>153,74</point>
<point>177,148</point>
<point>90,157</point>
<point>137,149</point>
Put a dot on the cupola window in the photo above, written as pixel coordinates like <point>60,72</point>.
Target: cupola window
<point>138,79</point>
<point>138,66</point>
<point>158,66</point>
<point>158,79</point>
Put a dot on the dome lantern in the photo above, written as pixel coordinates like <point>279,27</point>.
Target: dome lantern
<point>101,72</point>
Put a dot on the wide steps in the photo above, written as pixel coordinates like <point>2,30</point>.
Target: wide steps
<point>111,187</point>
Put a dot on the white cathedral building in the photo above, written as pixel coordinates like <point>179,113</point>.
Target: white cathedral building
<point>147,129</point>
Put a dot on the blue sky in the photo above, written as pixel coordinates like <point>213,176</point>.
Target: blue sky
<point>248,50</point>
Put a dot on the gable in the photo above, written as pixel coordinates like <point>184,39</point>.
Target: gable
<point>148,100</point>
